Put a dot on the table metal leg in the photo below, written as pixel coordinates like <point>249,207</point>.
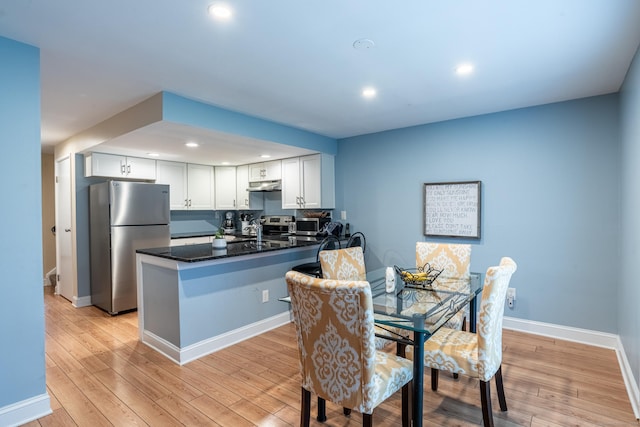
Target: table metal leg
<point>472,314</point>
<point>418,377</point>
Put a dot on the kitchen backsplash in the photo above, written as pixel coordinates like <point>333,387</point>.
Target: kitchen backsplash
<point>196,221</point>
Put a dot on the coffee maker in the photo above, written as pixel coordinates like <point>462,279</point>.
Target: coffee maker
<point>229,225</point>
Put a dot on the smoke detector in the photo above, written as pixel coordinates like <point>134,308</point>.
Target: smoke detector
<point>363,44</point>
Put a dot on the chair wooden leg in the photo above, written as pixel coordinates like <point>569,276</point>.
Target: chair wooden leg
<point>305,412</point>
<point>322,410</point>
<point>407,392</point>
<point>346,411</point>
<point>500,390</point>
<point>485,398</point>
<point>367,420</point>
<point>434,379</point>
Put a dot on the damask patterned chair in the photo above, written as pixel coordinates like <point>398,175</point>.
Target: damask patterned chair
<point>348,264</point>
<point>454,260</point>
<point>476,355</point>
<point>338,360</point>
<point>330,242</point>
<point>343,264</point>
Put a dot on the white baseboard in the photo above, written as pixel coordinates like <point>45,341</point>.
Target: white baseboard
<point>186,354</point>
<point>82,301</point>
<point>25,411</point>
<point>584,336</point>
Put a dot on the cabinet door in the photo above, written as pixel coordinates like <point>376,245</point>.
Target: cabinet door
<point>140,168</point>
<point>246,199</point>
<point>225,188</point>
<point>256,172</point>
<point>107,165</point>
<point>242,182</point>
<point>175,175</point>
<point>311,181</point>
<point>273,170</point>
<point>291,183</point>
<point>200,190</point>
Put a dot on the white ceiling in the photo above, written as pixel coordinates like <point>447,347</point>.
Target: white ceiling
<point>293,62</point>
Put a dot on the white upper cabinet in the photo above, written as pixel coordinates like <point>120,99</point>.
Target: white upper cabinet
<point>308,182</point>
<point>116,166</point>
<point>200,187</point>
<point>267,171</point>
<point>174,174</point>
<point>246,199</point>
<point>225,192</point>
<point>191,186</point>
<point>291,183</point>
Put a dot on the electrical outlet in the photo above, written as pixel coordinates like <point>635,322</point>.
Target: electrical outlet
<point>343,215</point>
<point>265,295</point>
<point>511,297</point>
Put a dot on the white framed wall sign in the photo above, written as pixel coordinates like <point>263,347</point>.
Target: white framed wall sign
<point>452,209</point>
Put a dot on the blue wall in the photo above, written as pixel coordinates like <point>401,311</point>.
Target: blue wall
<point>629,295</point>
<point>185,111</point>
<point>550,199</point>
<point>22,368</point>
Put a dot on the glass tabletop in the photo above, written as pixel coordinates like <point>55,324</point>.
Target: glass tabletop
<point>420,308</point>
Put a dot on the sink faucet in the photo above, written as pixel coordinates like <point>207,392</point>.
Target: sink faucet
<point>257,228</point>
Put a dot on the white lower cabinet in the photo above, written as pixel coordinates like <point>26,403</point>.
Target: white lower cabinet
<point>225,192</point>
<point>191,185</point>
<point>308,182</point>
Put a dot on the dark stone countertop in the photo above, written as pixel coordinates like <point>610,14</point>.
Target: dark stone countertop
<point>205,252</point>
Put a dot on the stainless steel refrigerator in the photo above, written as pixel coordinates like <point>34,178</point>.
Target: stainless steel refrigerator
<point>124,216</point>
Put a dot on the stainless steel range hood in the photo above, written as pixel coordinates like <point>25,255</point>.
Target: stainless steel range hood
<point>265,186</point>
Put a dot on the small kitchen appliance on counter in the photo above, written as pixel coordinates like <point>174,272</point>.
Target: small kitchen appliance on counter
<point>229,225</point>
<point>310,226</point>
<point>276,225</point>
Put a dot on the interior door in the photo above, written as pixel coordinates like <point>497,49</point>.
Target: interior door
<point>64,262</point>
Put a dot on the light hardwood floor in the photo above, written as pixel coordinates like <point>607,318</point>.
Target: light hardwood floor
<point>98,374</point>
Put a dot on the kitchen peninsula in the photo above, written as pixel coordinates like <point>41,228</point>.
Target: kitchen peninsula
<point>195,299</point>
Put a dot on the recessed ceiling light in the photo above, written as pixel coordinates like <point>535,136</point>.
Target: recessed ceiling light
<point>225,163</point>
<point>191,144</point>
<point>153,154</point>
<point>265,156</point>
<point>464,69</point>
<point>369,92</point>
<point>219,11</point>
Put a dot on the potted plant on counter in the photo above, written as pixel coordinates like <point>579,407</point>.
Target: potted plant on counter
<point>219,241</point>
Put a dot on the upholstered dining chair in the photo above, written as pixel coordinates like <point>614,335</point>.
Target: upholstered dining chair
<point>478,355</point>
<point>343,264</point>
<point>348,264</point>
<point>454,260</point>
<point>338,360</point>
<point>330,242</point>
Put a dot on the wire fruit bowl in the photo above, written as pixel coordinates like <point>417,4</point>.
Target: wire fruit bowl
<point>420,277</point>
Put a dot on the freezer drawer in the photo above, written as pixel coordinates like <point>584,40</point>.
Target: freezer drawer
<point>113,286</point>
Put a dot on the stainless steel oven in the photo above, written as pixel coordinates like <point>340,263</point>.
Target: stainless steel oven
<point>276,225</point>
<point>310,226</point>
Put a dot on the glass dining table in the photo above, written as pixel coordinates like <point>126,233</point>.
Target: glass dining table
<point>410,314</point>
